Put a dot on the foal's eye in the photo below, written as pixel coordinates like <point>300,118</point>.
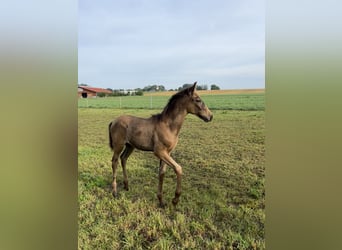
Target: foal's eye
<point>198,100</point>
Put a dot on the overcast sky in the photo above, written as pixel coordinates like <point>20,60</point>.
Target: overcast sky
<point>135,43</point>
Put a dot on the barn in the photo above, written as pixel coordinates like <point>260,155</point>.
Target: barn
<point>86,91</point>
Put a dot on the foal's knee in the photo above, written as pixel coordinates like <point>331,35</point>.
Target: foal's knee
<point>115,159</point>
<point>179,171</point>
<point>122,157</point>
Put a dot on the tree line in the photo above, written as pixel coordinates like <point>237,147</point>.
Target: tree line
<point>156,87</point>
<point>152,88</point>
<point>200,87</point>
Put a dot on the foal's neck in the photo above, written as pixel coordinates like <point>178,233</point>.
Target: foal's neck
<point>174,119</point>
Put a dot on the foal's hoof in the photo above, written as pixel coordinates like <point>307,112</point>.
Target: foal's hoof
<point>175,201</point>
<point>115,194</point>
<point>162,205</point>
<point>126,186</point>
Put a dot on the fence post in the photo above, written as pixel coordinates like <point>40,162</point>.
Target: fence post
<point>151,101</point>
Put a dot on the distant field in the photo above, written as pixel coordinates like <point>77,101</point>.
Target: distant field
<point>216,100</point>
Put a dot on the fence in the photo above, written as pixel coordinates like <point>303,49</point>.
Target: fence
<point>224,102</point>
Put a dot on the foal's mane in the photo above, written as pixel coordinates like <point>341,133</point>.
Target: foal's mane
<point>172,103</point>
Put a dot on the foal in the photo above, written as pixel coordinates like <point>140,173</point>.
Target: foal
<point>159,134</point>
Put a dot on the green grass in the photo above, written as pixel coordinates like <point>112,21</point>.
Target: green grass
<point>223,200</point>
<point>224,102</point>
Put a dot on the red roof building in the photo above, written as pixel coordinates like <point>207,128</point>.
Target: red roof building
<point>86,91</point>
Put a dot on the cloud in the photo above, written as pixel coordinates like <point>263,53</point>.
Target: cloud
<point>140,42</point>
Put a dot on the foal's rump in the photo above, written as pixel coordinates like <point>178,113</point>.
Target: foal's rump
<point>135,131</point>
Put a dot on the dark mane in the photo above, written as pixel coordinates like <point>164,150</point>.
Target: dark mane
<point>174,100</point>
<point>171,105</point>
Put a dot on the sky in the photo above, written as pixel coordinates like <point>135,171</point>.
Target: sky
<point>134,43</point>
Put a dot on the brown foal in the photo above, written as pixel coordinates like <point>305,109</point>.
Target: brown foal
<point>159,134</point>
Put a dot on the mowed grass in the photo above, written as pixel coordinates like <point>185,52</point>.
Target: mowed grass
<point>222,205</point>
<point>241,101</point>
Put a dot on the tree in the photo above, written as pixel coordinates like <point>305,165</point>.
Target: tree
<point>139,92</point>
<point>214,87</point>
<point>118,92</point>
<point>161,88</point>
<point>202,87</point>
<point>154,87</point>
<point>186,85</point>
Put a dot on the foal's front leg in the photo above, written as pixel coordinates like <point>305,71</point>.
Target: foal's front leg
<point>164,156</point>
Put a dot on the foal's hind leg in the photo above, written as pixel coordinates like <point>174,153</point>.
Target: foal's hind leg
<point>115,161</point>
<point>124,156</point>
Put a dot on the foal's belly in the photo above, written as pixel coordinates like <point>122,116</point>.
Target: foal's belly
<point>141,139</point>
<point>141,146</point>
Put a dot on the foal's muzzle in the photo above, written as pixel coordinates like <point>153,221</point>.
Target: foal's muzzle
<point>206,118</point>
<point>210,118</point>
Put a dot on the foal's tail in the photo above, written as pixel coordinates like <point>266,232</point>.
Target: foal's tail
<point>110,136</point>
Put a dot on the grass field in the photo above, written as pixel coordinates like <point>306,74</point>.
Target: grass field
<point>223,201</point>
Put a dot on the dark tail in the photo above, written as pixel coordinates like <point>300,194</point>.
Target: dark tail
<point>110,136</point>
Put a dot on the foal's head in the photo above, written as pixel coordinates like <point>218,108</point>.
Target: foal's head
<point>196,106</point>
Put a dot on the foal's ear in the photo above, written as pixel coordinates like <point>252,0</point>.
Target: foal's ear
<point>192,88</point>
